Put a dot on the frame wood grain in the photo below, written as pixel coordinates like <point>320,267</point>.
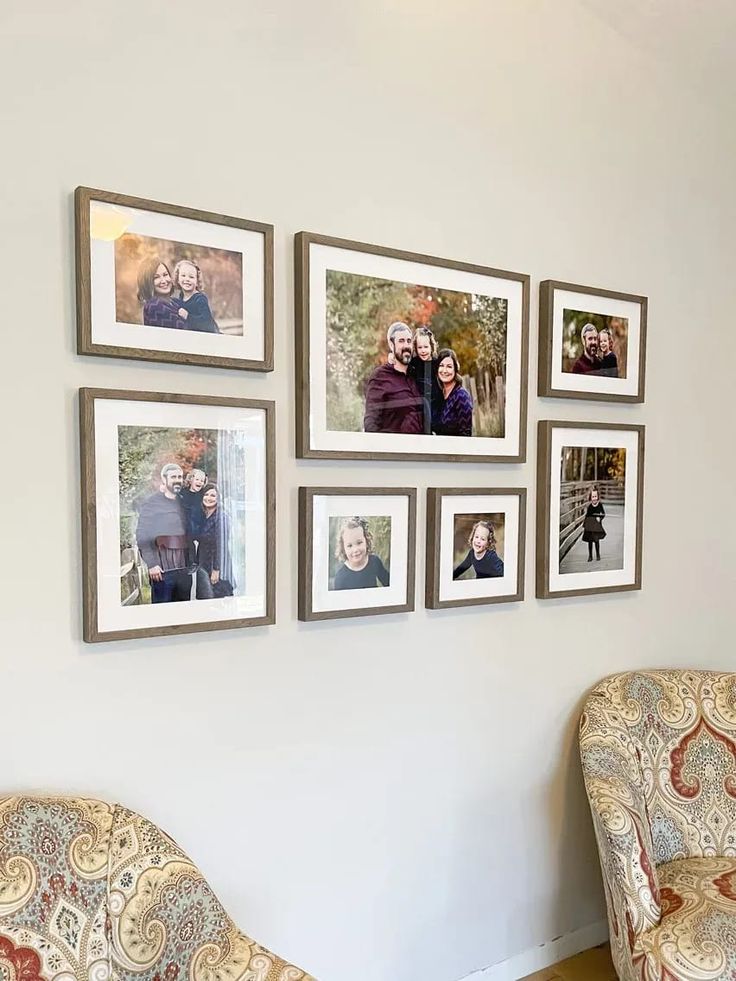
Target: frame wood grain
<point>546,356</point>
<point>83,196</point>
<point>306,548</point>
<point>304,449</point>
<point>91,632</point>
<point>544,487</point>
<point>434,528</point>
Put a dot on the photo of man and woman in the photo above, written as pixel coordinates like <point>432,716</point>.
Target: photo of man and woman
<point>594,344</point>
<point>360,552</point>
<point>413,359</point>
<point>592,504</point>
<point>182,514</point>
<point>179,286</point>
<point>478,546</point>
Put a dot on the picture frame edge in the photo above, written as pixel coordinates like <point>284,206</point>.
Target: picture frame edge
<point>90,607</point>
<point>83,198</point>
<point>304,450</point>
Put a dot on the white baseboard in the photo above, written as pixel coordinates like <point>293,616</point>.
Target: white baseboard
<point>544,955</point>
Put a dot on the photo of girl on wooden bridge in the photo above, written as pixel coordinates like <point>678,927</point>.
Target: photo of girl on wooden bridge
<point>592,504</point>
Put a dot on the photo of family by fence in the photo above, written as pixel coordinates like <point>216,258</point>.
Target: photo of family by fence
<point>176,285</point>
<point>182,514</point>
<point>594,344</point>
<point>592,504</point>
<point>478,546</point>
<point>412,359</point>
<point>360,552</point>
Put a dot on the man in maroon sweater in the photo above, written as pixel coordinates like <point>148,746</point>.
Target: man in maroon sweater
<point>393,403</point>
<point>588,360</point>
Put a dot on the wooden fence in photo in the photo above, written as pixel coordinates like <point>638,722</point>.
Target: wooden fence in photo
<point>574,502</point>
<point>489,398</point>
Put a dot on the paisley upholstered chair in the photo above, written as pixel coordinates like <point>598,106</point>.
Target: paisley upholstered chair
<point>93,892</point>
<point>659,758</point>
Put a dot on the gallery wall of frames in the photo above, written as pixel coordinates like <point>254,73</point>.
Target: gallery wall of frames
<point>400,357</point>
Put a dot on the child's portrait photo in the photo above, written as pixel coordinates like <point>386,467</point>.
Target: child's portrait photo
<point>356,551</point>
<point>590,490</point>
<point>361,552</point>
<point>592,508</point>
<point>160,282</point>
<point>478,546</point>
<point>475,546</point>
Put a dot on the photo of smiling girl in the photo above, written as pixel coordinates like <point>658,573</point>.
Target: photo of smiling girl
<point>361,568</point>
<point>482,556</point>
<point>423,369</point>
<point>196,307</point>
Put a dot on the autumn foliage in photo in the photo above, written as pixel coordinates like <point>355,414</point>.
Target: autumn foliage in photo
<point>361,308</point>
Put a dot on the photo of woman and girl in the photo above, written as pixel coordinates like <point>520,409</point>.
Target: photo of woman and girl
<point>177,301</point>
<point>355,552</point>
<point>482,556</point>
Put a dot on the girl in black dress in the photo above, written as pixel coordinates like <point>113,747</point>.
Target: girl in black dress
<point>361,568</point>
<point>482,557</point>
<point>423,369</point>
<point>593,530</point>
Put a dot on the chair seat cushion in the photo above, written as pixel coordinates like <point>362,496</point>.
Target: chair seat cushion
<point>696,939</point>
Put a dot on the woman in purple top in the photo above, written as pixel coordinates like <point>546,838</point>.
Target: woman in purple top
<point>454,415</point>
<point>155,292</point>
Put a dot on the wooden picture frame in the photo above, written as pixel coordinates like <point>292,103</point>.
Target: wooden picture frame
<point>619,479</point>
<point>236,253</point>
<point>112,420</point>
<point>323,267</point>
<point>393,510</point>
<point>566,311</point>
<point>482,503</point>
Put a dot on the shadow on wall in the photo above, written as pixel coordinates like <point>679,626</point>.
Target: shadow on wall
<point>580,900</point>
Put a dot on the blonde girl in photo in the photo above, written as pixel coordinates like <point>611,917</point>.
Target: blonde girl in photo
<point>482,555</point>
<point>361,568</point>
<point>196,307</point>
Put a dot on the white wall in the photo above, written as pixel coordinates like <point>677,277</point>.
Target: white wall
<point>394,799</point>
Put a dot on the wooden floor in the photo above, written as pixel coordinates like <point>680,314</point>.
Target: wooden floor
<point>591,965</point>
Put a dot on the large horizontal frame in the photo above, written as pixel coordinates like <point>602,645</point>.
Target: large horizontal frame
<point>83,196</point>
<point>304,450</point>
<point>87,397</point>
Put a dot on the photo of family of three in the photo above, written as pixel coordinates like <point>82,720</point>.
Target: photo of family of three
<point>178,286</point>
<point>594,344</point>
<point>414,360</point>
<point>177,531</point>
<point>360,551</point>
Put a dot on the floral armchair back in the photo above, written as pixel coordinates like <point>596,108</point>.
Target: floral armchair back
<point>90,890</point>
<point>658,750</point>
